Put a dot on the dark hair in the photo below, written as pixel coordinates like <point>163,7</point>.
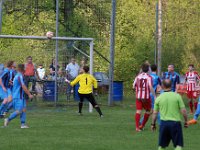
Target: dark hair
<point>29,57</point>
<point>154,67</point>
<point>86,69</point>
<point>10,63</point>
<point>145,67</point>
<point>167,83</point>
<point>191,65</point>
<point>20,67</point>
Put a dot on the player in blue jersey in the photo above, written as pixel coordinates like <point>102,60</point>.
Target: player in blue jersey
<point>13,72</point>
<point>156,81</point>
<point>173,76</point>
<point>6,87</point>
<point>19,102</point>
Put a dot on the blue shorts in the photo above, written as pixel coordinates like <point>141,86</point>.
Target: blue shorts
<point>19,104</point>
<point>9,92</point>
<point>6,94</point>
<point>170,130</point>
<point>152,100</point>
<point>197,112</point>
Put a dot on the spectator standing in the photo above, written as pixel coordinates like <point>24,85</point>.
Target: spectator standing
<point>170,126</point>
<point>30,74</point>
<point>52,69</point>
<point>72,71</point>
<point>41,72</point>
<point>41,76</point>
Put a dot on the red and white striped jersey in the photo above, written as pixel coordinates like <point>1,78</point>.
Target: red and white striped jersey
<point>191,79</point>
<point>142,84</point>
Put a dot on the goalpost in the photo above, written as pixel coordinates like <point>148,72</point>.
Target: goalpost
<point>91,45</point>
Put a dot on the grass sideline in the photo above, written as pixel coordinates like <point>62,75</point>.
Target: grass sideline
<point>60,128</point>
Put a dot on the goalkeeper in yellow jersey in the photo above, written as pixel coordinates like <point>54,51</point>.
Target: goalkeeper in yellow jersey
<point>86,82</point>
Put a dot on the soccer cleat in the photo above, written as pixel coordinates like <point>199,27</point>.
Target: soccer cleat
<point>80,114</point>
<point>6,122</point>
<point>141,127</point>
<point>101,116</point>
<point>5,113</point>
<point>191,112</point>
<point>193,121</point>
<point>24,127</point>
<point>138,130</point>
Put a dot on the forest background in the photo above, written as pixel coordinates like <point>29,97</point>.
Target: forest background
<point>135,32</point>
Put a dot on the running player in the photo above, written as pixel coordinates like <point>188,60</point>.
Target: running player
<point>13,72</point>
<point>5,84</point>
<point>19,102</point>
<point>143,86</point>
<point>86,82</point>
<point>173,76</point>
<point>191,79</point>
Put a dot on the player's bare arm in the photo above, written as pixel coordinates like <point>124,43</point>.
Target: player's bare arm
<point>1,84</point>
<point>153,123</point>
<point>184,113</point>
<point>27,91</point>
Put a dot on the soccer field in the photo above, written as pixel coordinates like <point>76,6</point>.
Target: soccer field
<point>60,128</point>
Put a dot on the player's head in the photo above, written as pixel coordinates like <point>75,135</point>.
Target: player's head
<point>145,67</point>
<point>29,59</point>
<point>86,69</point>
<point>14,65</point>
<point>166,84</point>
<point>73,60</point>
<point>10,64</point>
<point>40,66</point>
<point>20,68</point>
<point>170,68</point>
<point>154,67</point>
<point>191,67</point>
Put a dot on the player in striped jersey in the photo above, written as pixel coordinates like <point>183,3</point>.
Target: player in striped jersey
<point>191,79</point>
<point>143,87</point>
<point>156,86</point>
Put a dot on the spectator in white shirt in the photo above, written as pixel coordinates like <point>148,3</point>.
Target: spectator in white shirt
<point>41,76</point>
<point>41,72</point>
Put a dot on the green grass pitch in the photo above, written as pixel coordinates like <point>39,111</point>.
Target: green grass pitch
<point>60,128</point>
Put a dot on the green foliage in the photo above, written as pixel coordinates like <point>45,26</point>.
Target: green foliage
<point>135,36</point>
<point>135,32</point>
